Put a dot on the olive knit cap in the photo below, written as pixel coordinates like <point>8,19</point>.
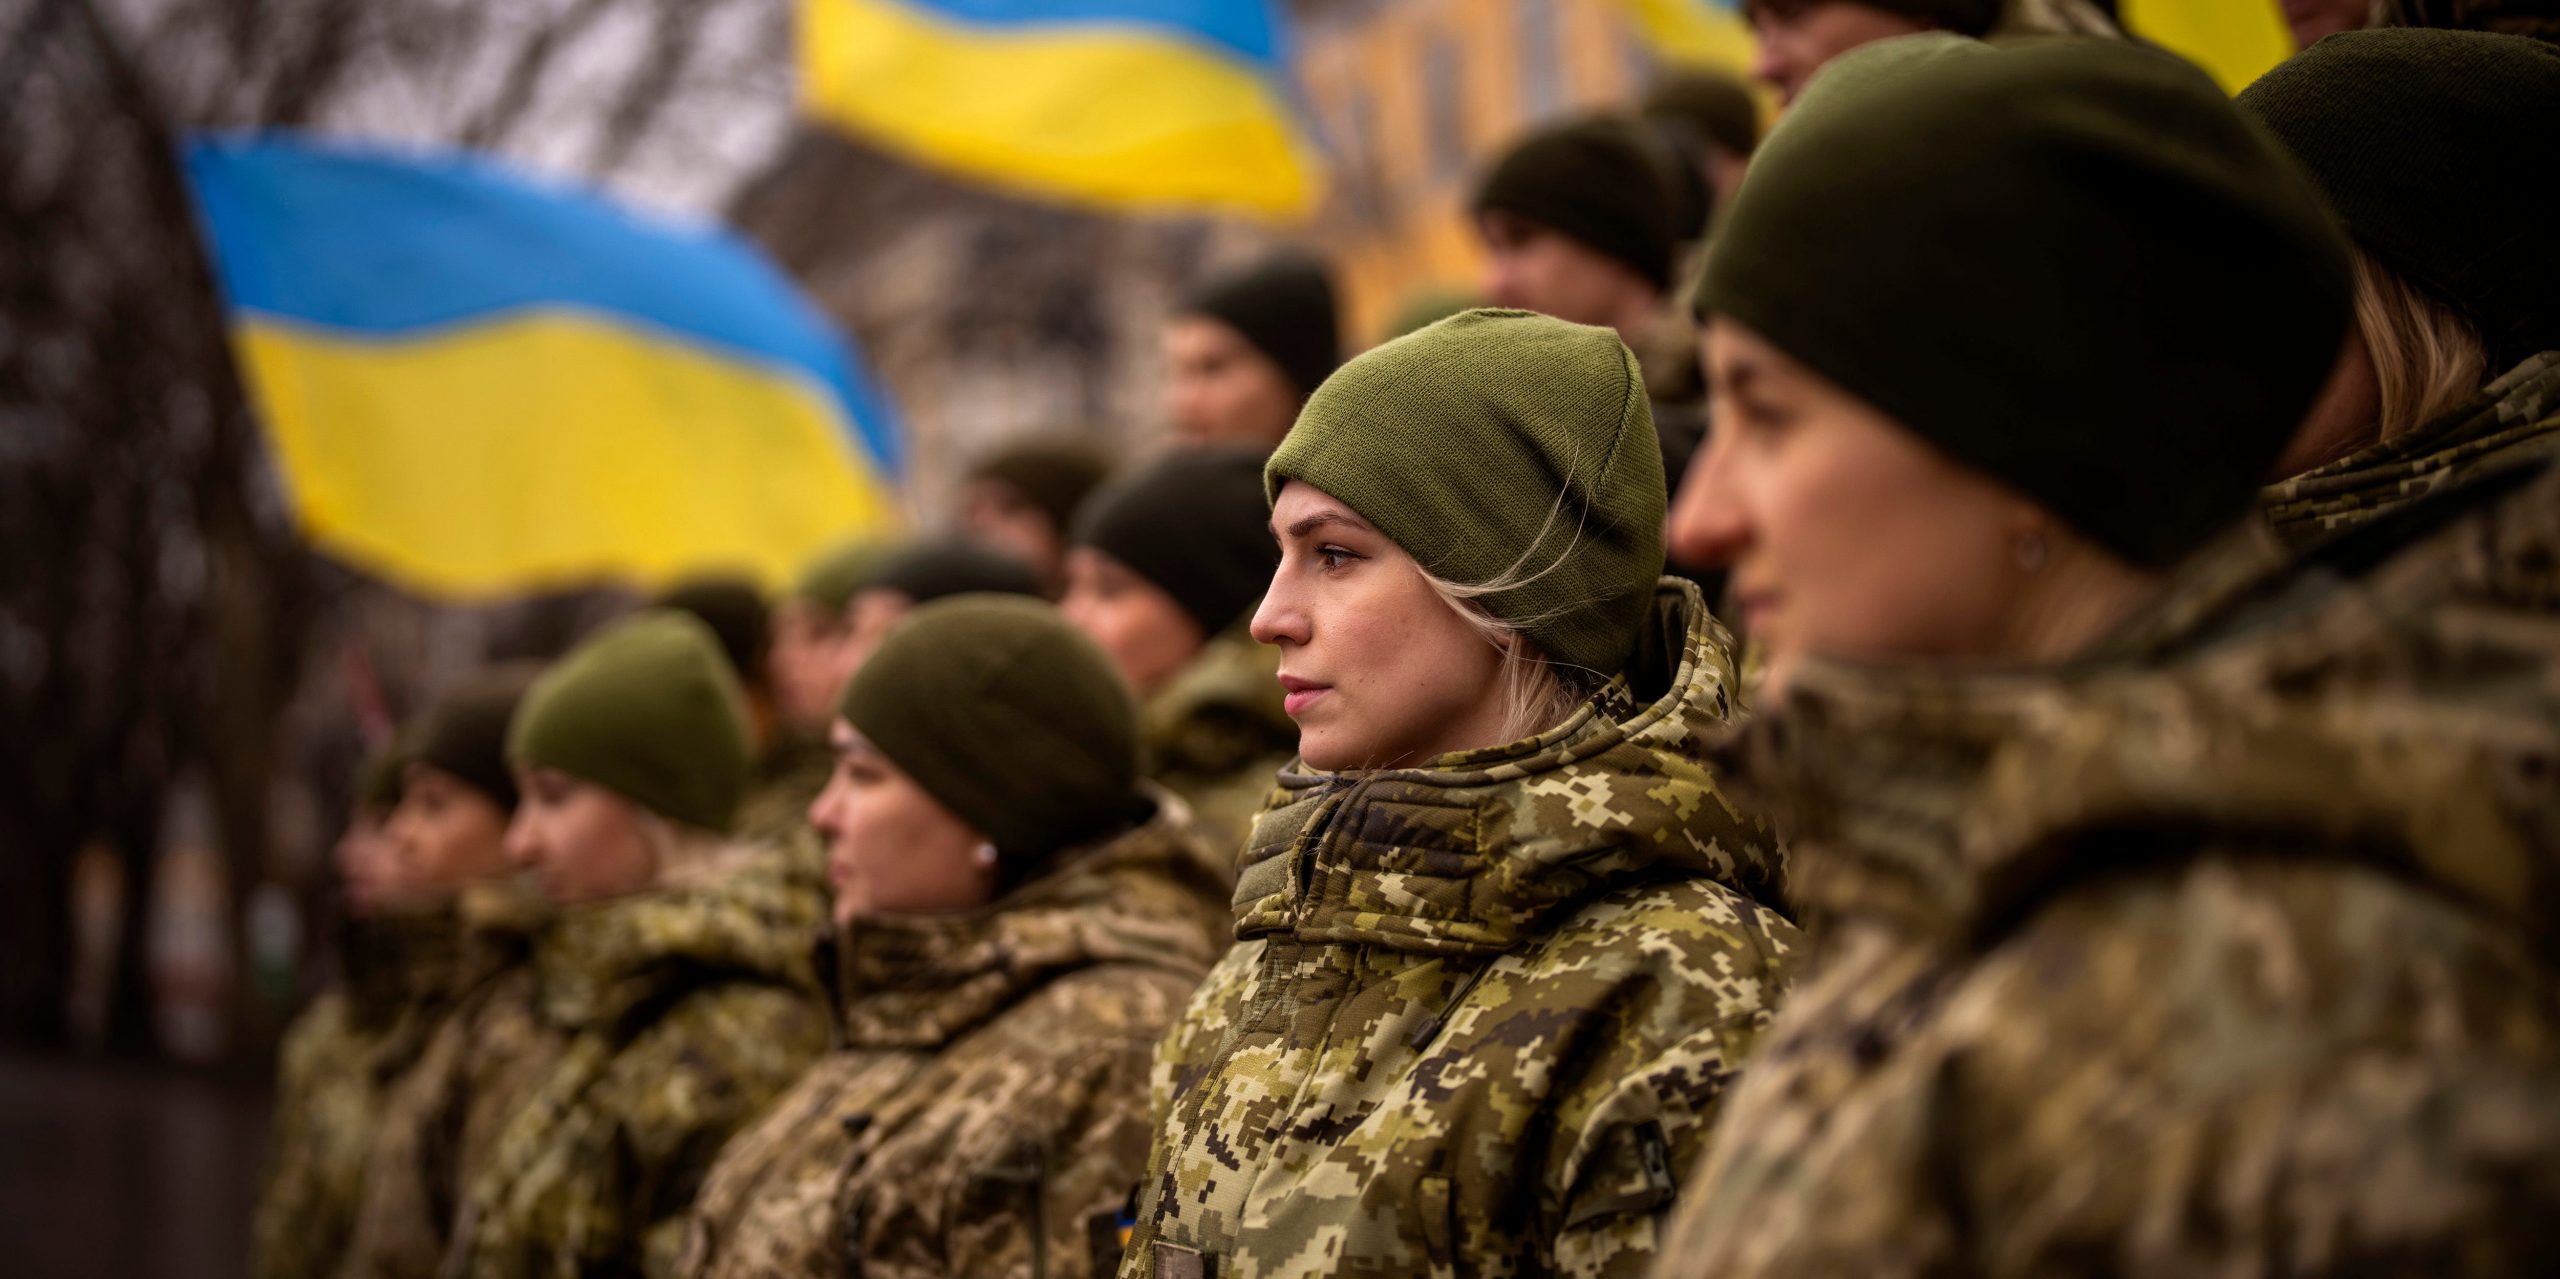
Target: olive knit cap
<point>1602,181</point>
<point>648,709</point>
<point>2420,138</point>
<point>464,732</point>
<point>1502,445</point>
<point>1055,475</point>
<point>2070,265</point>
<point>932,569</point>
<point>734,608</point>
<point>1284,306</point>
<point>1007,716</point>
<point>1193,525</point>
<point>830,580</point>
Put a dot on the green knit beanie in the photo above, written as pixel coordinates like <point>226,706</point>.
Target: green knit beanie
<point>648,709</point>
<point>2071,265</point>
<point>933,568</point>
<point>1709,106</point>
<point>1055,475</point>
<point>1497,443</point>
<point>2418,137</point>
<point>465,731</point>
<point>734,608</point>
<point>1284,306</point>
<point>830,580</point>
<point>1602,181</point>
<point>1193,525</point>
<point>1007,716</point>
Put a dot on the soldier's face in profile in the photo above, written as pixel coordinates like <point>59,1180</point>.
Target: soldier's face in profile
<point>582,842</point>
<point>1146,633</point>
<point>1221,389</point>
<point>1380,671</point>
<point>446,832</point>
<point>807,663</point>
<point>891,847</point>
<point>1846,534</point>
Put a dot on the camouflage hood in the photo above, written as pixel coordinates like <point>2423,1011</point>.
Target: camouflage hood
<point>748,913</point>
<point>1473,852</point>
<point>2392,700</point>
<point>1143,897</point>
<point>2515,418</point>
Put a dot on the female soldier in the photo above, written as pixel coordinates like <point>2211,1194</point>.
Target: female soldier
<point>2168,924</point>
<point>1165,570</point>
<point>432,927</point>
<point>1501,940</point>
<point>2453,369</point>
<point>669,999</point>
<point>1016,923</point>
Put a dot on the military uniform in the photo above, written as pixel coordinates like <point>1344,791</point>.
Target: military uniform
<point>787,780</point>
<point>1217,735</point>
<point>338,1061</point>
<point>984,1111</point>
<point>2225,951</point>
<point>567,1126</point>
<point>2517,417</point>
<point>1480,1011</point>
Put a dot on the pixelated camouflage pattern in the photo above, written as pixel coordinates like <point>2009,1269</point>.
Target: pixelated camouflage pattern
<point>787,781</point>
<point>402,973</point>
<point>2227,951</point>
<point>399,1213</point>
<point>986,1101</point>
<point>2517,418</point>
<point>1480,1010</point>
<point>1217,735</point>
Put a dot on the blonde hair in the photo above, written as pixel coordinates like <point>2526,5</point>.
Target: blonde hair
<point>2426,359</point>
<point>1536,692</point>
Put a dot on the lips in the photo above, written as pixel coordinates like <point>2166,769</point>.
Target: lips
<point>1302,693</point>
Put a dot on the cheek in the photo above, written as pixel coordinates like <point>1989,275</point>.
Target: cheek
<point>1929,596</point>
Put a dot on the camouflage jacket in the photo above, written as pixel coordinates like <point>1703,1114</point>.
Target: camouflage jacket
<point>1217,736</point>
<point>565,1128</point>
<point>2516,418</point>
<point>985,1110</point>
<point>787,780</point>
<point>2227,951</point>
<point>339,1059</point>
<point>1481,1010</point>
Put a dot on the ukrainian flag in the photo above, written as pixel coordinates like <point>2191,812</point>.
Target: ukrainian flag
<point>2236,41</point>
<point>1708,33</point>
<point>1164,104</point>
<point>479,385</point>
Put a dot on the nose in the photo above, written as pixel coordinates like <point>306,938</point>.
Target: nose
<point>1279,619</point>
<point>522,846</point>
<point>1769,66</point>
<point>1708,528</point>
<point>822,810</point>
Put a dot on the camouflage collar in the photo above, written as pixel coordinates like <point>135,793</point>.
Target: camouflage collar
<point>399,959</point>
<point>2514,416</point>
<point>601,964</point>
<point>917,981</point>
<point>1474,853</point>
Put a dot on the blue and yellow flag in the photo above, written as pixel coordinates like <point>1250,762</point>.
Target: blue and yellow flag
<point>1708,33</point>
<point>476,384</point>
<point>2236,41</point>
<point>1151,104</point>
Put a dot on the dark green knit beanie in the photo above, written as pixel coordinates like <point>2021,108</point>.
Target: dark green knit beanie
<point>1495,443</point>
<point>1055,475</point>
<point>735,611</point>
<point>1284,306</point>
<point>1194,525</point>
<point>1007,716</point>
<point>830,580</point>
<point>1963,17</point>
<point>1600,180</point>
<point>1709,106</point>
<point>2421,139</point>
<point>648,709</point>
<point>465,731</point>
<point>2071,265</point>
<point>934,568</point>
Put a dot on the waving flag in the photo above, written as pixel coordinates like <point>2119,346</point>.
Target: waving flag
<point>2235,40</point>
<point>1695,32</point>
<point>1131,103</point>
<point>477,384</point>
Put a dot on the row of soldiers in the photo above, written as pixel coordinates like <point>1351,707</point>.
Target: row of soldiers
<point>2119,842</point>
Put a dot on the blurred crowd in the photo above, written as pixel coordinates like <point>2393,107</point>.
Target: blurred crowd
<point>1967,683</point>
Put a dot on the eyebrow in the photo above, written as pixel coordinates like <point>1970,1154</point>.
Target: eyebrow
<point>1317,521</point>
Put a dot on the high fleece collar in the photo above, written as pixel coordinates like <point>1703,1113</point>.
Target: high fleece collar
<point>1144,897</point>
<point>1476,852</point>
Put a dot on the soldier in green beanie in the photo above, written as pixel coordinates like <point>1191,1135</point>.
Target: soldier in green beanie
<point>1167,566</point>
<point>810,625</point>
<point>1021,499</point>
<point>1018,919</point>
<point>2455,367</point>
<point>1245,349</point>
<point>1712,121</point>
<point>1796,38</point>
<point>789,763</point>
<point>920,572</point>
<point>668,998</point>
<point>1501,872</point>
<point>2110,820</point>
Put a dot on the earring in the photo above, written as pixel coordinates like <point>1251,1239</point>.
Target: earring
<point>2031,551</point>
<point>987,856</point>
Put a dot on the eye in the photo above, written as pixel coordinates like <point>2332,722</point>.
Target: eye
<point>1335,558</point>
